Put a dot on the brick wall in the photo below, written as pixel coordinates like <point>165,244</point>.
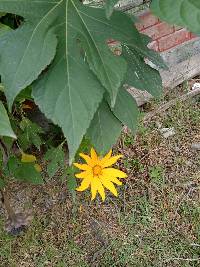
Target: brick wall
<point>179,48</point>
<point>164,36</point>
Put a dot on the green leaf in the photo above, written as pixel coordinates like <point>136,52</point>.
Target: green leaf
<point>5,127</point>
<point>126,110</point>
<point>1,87</point>
<point>26,172</point>
<point>152,55</point>
<point>4,28</point>
<point>13,163</point>
<point>184,13</point>
<point>140,75</point>
<point>26,51</point>
<point>66,100</point>
<point>109,5</point>
<point>30,135</point>
<point>56,158</point>
<point>2,14</point>
<point>24,95</point>
<point>104,129</point>
<point>82,67</point>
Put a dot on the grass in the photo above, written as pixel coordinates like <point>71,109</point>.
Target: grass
<point>155,221</point>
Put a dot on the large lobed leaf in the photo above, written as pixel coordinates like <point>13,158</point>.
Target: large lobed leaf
<point>65,42</point>
<point>184,13</point>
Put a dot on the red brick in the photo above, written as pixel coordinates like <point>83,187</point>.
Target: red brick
<point>159,30</point>
<point>193,35</point>
<point>177,28</point>
<point>153,45</point>
<point>173,39</point>
<point>146,20</point>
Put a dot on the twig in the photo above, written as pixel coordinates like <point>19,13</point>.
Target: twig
<point>171,103</point>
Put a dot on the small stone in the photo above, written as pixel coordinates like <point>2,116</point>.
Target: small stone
<point>196,86</point>
<point>167,132</point>
<point>195,146</point>
<point>177,149</point>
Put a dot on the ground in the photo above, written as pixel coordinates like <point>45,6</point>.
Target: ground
<point>155,221</point>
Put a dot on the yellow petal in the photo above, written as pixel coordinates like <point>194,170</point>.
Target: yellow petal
<point>111,161</point>
<point>100,189</point>
<point>93,188</point>
<point>86,158</point>
<point>27,158</point>
<point>83,167</point>
<point>107,156</point>
<point>38,167</point>
<point>109,186</point>
<point>85,174</point>
<point>111,172</point>
<point>93,154</point>
<point>115,180</point>
<point>84,185</point>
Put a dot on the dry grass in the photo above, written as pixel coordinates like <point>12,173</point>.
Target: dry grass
<point>154,222</point>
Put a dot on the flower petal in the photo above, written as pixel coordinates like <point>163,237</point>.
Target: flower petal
<point>100,189</point>
<point>107,156</point>
<point>85,174</point>
<point>115,180</point>
<point>83,167</point>
<point>84,185</point>
<point>111,172</point>
<point>93,154</point>
<point>110,161</point>
<point>93,188</point>
<point>86,158</point>
<point>109,186</point>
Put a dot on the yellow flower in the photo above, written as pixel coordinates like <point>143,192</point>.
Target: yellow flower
<point>96,174</point>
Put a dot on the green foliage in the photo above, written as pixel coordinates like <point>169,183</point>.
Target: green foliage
<point>24,172</point>
<point>105,128</point>
<point>184,13</point>
<point>30,134</point>
<point>66,44</point>
<point>140,75</point>
<point>124,109</point>
<point>56,160</point>
<point>3,28</point>
<point>5,127</point>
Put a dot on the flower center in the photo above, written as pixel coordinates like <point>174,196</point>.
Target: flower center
<point>97,170</point>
